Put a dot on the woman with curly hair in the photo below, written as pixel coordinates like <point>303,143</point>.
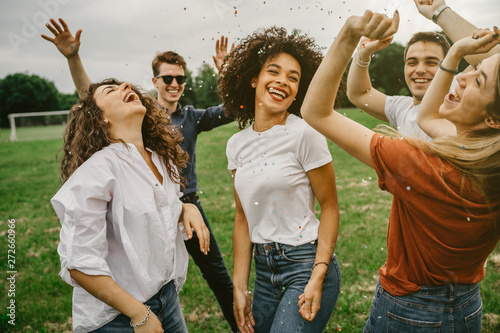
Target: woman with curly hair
<point>122,243</point>
<point>280,165</point>
<point>445,214</point>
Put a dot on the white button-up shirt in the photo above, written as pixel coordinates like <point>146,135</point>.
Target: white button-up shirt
<point>119,220</point>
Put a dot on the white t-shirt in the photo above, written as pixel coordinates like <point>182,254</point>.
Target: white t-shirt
<point>402,115</point>
<point>272,183</point>
<point>118,220</point>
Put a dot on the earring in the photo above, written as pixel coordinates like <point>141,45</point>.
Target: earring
<point>253,85</point>
<point>105,121</point>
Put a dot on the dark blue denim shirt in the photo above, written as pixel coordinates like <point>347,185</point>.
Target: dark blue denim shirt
<point>191,122</point>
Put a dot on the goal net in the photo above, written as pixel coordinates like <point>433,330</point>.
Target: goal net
<point>34,126</point>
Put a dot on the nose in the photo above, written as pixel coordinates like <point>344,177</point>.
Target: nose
<point>125,86</point>
<point>421,67</point>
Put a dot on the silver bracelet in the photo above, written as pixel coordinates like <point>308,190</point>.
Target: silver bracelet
<point>360,62</point>
<point>143,321</point>
<point>438,12</point>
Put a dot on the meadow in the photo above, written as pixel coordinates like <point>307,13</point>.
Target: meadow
<point>29,178</point>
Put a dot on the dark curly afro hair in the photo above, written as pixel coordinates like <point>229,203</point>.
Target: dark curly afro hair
<point>246,60</point>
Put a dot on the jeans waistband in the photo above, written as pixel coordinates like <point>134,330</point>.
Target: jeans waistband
<point>450,289</point>
<point>190,198</point>
<point>262,248</point>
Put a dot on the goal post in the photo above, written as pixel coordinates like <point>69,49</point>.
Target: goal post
<point>13,116</point>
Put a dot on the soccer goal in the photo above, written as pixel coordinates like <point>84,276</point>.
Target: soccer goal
<point>37,124</point>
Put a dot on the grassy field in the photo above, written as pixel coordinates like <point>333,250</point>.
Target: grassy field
<point>29,178</point>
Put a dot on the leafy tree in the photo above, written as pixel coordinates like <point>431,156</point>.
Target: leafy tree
<point>387,71</point>
<point>21,92</point>
<point>201,90</point>
<point>66,101</point>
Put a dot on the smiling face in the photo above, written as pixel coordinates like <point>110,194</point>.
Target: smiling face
<point>169,94</point>
<point>277,84</point>
<point>421,64</point>
<point>119,104</point>
<point>466,106</point>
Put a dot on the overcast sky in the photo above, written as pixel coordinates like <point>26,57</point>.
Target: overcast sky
<point>120,38</point>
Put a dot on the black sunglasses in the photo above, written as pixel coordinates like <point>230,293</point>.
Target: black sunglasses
<point>168,79</point>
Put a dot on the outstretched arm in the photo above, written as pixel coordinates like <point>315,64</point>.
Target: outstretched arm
<point>359,88</point>
<point>429,119</point>
<point>317,108</point>
<point>221,52</point>
<point>453,25</point>
<point>69,46</point>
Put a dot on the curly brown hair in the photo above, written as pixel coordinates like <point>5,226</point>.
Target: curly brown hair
<point>246,60</point>
<point>86,133</point>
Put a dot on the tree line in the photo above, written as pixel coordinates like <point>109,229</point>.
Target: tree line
<point>22,92</point>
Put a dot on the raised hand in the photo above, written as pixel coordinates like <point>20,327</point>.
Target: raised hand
<point>372,25</point>
<point>369,46</point>
<point>65,42</point>
<point>481,41</point>
<point>221,52</point>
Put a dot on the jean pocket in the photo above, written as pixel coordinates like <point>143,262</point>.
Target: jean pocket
<point>397,324</point>
<point>304,253</point>
<point>473,321</point>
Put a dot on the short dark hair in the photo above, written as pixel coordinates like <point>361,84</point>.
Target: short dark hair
<point>169,57</point>
<point>428,36</point>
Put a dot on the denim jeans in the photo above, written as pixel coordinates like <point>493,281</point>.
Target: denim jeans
<point>281,274</point>
<point>213,268</point>
<point>165,305</point>
<point>452,308</point>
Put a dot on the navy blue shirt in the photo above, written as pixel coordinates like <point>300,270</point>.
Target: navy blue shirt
<point>191,122</point>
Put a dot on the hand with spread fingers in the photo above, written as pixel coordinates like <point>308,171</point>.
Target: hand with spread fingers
<point>64,40</point>
<point>221,52</point>
<point>481,41</point>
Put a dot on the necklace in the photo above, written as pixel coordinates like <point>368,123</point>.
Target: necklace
<point>285,114</point>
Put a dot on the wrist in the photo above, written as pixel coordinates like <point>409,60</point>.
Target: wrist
<point>437,13</point>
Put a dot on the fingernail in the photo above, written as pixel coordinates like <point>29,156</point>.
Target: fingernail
<point>495,36</point>
<point>495,27</point>
<point>397,11</point>
<point>475,37</point>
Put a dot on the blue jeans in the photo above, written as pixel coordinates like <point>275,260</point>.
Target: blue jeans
<point>165,305</point>
<point>281,275</point>
<point>212,267</point>
<point>453,308</point>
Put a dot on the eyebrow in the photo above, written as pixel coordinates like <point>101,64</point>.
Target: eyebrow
<point>428,58</point>
<point>107,87</point>
<point>484,75</point>
<point>279,67</point>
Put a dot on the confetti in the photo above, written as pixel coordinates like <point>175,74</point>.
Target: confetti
<point>408,188</point>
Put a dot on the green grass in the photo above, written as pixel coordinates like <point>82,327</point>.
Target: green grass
<point>29,178</point>
<point>36,133</point>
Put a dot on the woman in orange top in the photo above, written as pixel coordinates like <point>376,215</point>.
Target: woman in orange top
<point>445,216</point>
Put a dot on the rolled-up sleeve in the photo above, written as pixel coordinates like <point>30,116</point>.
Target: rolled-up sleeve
<point>81,205</point>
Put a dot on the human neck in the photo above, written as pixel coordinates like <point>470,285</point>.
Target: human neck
<point>265,122</point>
<point>416,101</point>
<point>169,106</point>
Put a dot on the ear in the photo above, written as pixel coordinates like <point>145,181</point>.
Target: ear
<point>492,122</point>
<point>155,79</point>
<point>253,82</point>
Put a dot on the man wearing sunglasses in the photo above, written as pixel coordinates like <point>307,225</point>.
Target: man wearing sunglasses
<point>169,78</point>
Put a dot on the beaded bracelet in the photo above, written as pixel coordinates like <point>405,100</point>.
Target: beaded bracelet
<point>320,263</point>
<point>454,72</point>
<point>143,321</point>
<point>360,62</point>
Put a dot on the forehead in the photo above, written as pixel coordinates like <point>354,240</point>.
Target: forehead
<point>170,69</point>
<point>284,60</point>
<point>423,50</point>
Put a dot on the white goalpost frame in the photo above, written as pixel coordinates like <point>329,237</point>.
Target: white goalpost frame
<point>13,116</point>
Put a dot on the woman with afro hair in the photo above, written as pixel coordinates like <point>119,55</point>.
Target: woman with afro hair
<point>280,165</point>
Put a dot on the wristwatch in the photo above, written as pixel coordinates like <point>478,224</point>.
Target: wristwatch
<point>438,12</point>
